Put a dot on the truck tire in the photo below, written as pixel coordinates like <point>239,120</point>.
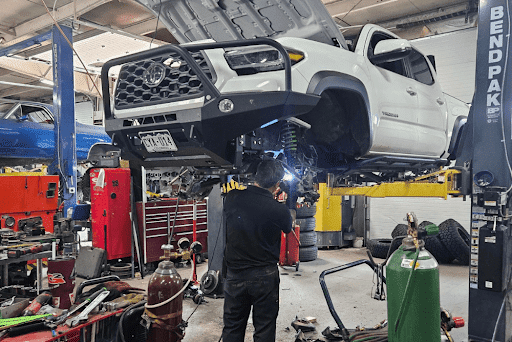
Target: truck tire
<point>307,239</point>
<point>308,253</point>
<point>400,230</point>
<point>456,240</point>
<point>306,211</point>
<point>306,224</point>
<point>438,250</point>
<point>379,248</point>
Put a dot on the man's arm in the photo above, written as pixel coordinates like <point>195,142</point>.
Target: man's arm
<point>285,219</point>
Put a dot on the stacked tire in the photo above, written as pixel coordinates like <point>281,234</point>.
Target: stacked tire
<point>452,242</point>
<point>308,251</point>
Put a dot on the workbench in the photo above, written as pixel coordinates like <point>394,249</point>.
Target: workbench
<point>103,324</point>
<point>5,261</point>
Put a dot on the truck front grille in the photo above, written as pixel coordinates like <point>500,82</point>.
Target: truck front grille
<point>179,83</point>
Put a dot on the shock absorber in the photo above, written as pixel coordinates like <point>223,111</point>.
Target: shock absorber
<point>289,139</point>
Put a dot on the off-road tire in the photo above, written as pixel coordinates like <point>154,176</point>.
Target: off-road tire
<point>308,239</point>
<point>308,253</point>
<point>456,240</point>
<point>306,211</point>
<point>400,230</point>
<point>306,224</point>
<point>379,248</point>
<point>434,245</point>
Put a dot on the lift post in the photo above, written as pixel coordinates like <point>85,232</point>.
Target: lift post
<point>489,146</point>
<point>64,115</point>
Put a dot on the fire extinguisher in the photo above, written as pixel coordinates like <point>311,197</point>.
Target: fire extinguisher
<point>164,309</point>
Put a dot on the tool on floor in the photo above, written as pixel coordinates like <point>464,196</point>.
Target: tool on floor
<point>84,315</point>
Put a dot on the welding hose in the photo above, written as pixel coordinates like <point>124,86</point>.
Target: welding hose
<point>167,301</point>
<point>375,335</point>
<point>407,288</point>
<point>120,332</point>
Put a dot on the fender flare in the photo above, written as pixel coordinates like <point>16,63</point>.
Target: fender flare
<point>457,132</point>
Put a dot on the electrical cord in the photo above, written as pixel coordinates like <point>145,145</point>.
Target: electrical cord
<point>156,27</point>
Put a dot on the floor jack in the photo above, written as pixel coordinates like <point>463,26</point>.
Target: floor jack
<point>414,314</point>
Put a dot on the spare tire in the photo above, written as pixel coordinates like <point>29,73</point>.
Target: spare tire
<point>306,224</point>
<point>400,230</point>
<point>306,211</point>
<point>307,239</point>
<point>456,240</point>
<point>308,253</point>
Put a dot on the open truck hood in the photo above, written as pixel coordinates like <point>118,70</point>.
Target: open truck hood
<point>224,20</point>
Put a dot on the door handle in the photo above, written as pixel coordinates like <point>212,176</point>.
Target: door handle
<point>440,101</point>
<point>411,91</point>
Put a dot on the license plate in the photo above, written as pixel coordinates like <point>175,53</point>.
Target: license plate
<point>158,141</point>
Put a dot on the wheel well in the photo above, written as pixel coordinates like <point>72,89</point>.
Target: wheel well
<point>340,125</point>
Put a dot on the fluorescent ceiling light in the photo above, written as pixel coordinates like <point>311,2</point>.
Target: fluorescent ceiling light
<point>366,7</point>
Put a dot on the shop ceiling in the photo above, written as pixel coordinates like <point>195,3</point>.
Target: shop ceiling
<point>104,29</point>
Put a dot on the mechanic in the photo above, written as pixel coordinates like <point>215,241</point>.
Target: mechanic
<point>254,221</point>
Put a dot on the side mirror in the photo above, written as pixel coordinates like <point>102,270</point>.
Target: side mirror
<point>391,50</point>
<point>23,118</point>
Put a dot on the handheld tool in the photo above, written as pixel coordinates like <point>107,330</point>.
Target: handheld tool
<point>84,315</point>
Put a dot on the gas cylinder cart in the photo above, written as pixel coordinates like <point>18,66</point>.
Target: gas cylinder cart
<point>413,304</point>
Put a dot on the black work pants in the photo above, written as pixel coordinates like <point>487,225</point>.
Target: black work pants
<point>257,288</point>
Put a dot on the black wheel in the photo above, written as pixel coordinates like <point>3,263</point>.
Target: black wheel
<point>380,247</point>
<point>400,230</point>
<point>209,282</point>
<point>306,224</point>
<point>438,250</point>
<point>199,258</point>
<point>307,239</point>
<point>306,211</point>
<point>308,253</point>
<point>456,240</point>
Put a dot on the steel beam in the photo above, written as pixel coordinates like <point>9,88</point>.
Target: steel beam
<point>66,11</point>
<point>40,70</point>
<point>64,113</point>
<point>36,40</point>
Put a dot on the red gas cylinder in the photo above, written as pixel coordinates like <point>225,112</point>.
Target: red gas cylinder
<point>164,308</point>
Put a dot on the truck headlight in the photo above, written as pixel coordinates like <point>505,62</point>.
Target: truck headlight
<point>247,61</point>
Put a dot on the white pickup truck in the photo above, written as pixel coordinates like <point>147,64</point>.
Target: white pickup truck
<point>228,95</point>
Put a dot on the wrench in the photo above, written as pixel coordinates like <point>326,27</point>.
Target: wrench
<point>84,315</point>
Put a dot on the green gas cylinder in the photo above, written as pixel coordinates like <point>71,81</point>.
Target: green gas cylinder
<point>413,298</point>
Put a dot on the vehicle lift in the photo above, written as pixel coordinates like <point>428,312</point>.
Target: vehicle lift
<point>65,163</point>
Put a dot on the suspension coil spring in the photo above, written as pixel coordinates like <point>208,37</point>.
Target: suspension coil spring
<point>289,137</point>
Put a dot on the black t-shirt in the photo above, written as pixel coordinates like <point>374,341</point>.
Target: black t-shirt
<point>254,221</point>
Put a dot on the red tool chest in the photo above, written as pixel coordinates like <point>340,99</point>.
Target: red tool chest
<point>25,197</point>
<point>156,219</point>
<point>110,211</point>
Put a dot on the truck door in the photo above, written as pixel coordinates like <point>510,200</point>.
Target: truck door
<point>432,109</point>
<point>395,119</point>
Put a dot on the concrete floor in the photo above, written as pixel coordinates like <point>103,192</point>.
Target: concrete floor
<point>302,296</point>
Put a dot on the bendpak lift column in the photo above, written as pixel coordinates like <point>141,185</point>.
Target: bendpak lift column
<point>490,313</point>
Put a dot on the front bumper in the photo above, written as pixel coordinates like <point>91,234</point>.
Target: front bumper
<point>203,134</point>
